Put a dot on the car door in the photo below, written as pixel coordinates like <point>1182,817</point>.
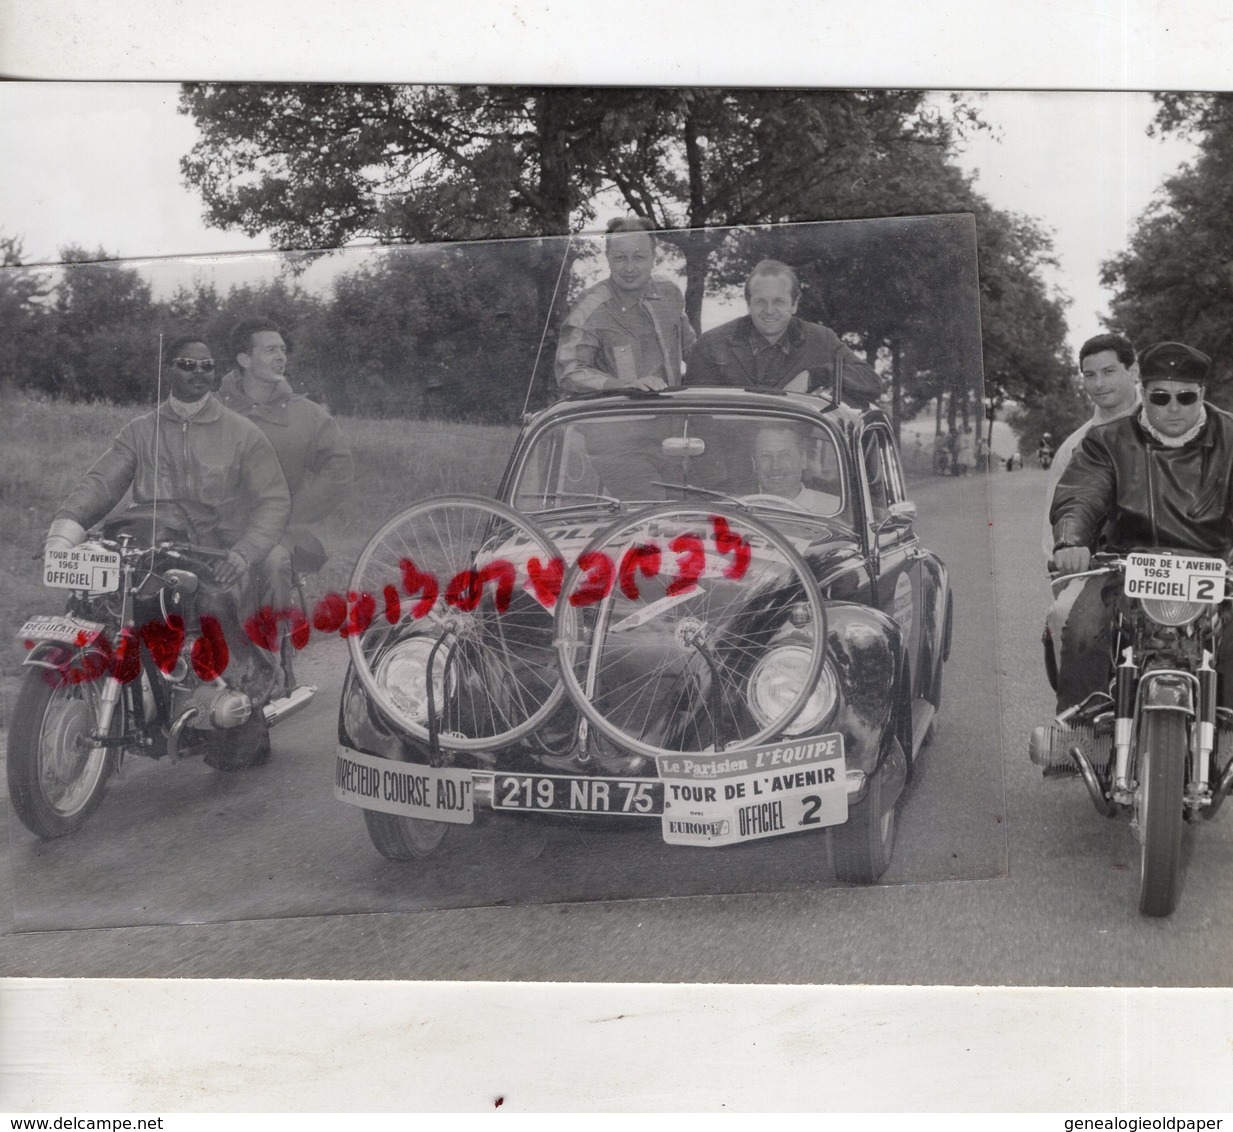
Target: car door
<point>898,578</point>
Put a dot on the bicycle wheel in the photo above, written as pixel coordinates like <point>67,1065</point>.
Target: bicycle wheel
<point>702,629</point>
<point>440,589</point>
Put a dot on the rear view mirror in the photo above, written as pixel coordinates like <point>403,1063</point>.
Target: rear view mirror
<point>683,445</point>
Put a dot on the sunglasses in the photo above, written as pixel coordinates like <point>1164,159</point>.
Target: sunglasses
<point>1162,397</point>
<point>189,365</point>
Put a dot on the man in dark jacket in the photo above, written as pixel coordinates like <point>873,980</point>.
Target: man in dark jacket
<point>771,347</point>
<point>314,455</point>
<point>1162,477</point>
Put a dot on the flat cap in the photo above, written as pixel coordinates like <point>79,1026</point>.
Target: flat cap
<point>1173,361</point>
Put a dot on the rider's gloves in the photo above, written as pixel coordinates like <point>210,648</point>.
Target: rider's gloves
<point>64,534</point>
<point>1071,559</point>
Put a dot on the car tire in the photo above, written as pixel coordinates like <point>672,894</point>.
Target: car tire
<point>863,846</point>
<point>400,838</point>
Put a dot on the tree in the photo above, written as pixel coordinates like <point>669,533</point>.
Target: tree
<point>444,330</point>
<point>106,329</point>
<point>25,355</point>
<point>1175,280</point>
<point>318,166</point>
<point>323,165</point>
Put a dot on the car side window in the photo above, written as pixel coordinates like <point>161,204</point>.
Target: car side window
<point>883,472</point>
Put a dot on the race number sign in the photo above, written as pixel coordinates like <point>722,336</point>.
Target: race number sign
<point>1174,577</point>
<point>730,797</point>
<point>82,568</point>
<point>409,789</point>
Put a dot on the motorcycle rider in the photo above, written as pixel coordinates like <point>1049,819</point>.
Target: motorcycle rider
<point>1161,477</point>
<point>209,471</point>
<point>1044,451</point>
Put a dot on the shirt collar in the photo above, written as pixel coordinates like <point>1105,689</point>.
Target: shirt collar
<point>209,412</point>
<point>757,341</point>
<point>1172,441</point>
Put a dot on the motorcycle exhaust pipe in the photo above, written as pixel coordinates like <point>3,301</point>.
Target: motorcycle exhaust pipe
<point>299,697</point>
<point>1102,804</point>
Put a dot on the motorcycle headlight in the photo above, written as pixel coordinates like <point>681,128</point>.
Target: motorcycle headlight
<point>775,682</point>
<point>403,672</point>
<point>1172,613</point>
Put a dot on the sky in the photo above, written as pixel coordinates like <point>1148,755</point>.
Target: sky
<point>97,164</point>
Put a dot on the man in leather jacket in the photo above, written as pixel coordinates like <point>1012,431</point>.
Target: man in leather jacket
<point>1162,477</point>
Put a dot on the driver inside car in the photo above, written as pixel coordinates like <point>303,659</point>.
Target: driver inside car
<point>780,460</point>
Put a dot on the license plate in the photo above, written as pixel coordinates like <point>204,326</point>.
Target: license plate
<point>82,568</point>
<point>67,630</point>
<point>729,797</point>
<point>572,794</point>
<point>408,789</point>
<point>1174,577</point>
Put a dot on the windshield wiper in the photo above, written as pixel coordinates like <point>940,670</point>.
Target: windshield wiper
<point>692,489</point>
<point>591,497</point>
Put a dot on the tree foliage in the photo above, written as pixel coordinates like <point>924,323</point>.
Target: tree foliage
<point>24,318</point>
<point>318,166</point>
<point>1175,279</point>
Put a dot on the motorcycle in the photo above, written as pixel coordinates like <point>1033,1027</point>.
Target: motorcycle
<point>1152,746</point>
<point>135,665</point>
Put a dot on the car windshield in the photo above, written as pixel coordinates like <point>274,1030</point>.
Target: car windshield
<point>773,463</point>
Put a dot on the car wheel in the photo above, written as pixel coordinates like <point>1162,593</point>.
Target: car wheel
<point>404,839</point>
<point>863,846</point>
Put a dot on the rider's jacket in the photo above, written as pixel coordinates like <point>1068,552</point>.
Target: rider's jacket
<point>217,468</point>
<point>1140,493</point>
<point>312,450</point>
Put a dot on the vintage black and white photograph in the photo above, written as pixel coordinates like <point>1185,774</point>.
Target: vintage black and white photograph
<point>513,507</point>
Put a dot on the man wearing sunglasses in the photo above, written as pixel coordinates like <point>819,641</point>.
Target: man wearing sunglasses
<point>1161,477</point>
<point>314,455</point>
<point>211,475</point>
<point>216,470</point>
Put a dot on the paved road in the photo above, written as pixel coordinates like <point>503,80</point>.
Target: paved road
<point>1046,895</point>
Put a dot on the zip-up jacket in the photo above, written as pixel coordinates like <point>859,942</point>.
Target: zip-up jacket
<point>600,344</point>
<point>1131,491</point>
<point>311,448</point>
<point>218,468</point>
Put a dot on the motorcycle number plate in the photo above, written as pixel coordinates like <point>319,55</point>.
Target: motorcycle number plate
<point>82,568</point>
<point>67,630</point>
<point>1175,577</point>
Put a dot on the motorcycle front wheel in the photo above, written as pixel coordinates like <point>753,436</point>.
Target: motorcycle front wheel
<point>56,777</point>
<point>1158,807</point>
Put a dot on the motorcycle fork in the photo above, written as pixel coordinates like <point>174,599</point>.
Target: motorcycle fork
<point>112,689</point>
<point>1203,738</point>
<point>1126,687</point>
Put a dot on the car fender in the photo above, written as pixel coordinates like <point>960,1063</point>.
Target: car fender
<point>865,646</point>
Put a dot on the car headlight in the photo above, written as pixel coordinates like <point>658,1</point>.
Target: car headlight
<point>403,672</point>
<point>1172,613</point>
<point>775,682</point>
